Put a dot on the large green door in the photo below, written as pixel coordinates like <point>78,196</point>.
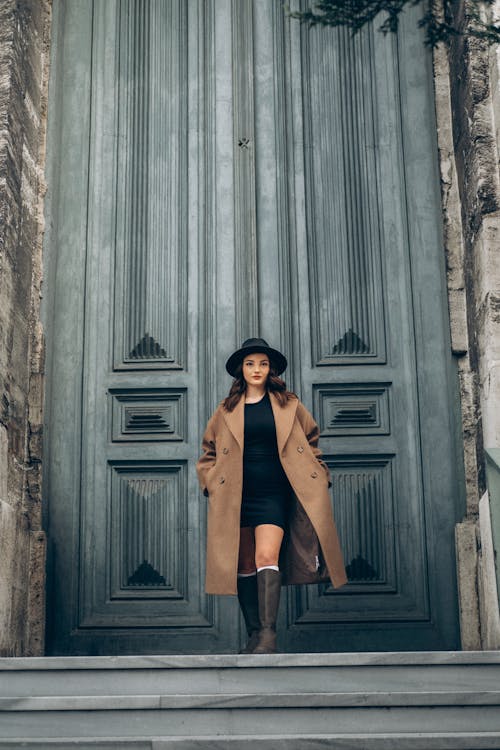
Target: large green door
<point>217,172</point>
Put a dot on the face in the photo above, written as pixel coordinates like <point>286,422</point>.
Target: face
<point>256,369</point>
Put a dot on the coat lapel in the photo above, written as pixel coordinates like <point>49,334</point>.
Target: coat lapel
<point>283,419</point>
<point>235,421</point>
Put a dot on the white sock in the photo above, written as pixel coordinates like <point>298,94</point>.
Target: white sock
<point>247,575</point>
<point>268,567</point>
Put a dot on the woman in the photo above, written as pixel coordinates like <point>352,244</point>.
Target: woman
<point>269,520</point>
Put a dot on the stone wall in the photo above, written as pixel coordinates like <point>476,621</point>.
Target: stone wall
<point>468,145</point>
<point>24,62</point>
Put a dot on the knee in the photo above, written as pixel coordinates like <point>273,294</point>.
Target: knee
<point>266,557</point>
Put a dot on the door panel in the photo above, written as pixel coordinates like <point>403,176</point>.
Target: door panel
<point>137,518</point>
<point>361,345</point>
<point>139,511</point>
<point>241,176</point>
<point>342,220</point>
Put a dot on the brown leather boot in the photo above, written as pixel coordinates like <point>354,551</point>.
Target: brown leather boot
<point>269,590</point>
<point>247,597</point>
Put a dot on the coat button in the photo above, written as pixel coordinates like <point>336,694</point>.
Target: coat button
<point>221,480</point>
<point>314,474</point>
<point>225,450</point>
<point>300,449</point>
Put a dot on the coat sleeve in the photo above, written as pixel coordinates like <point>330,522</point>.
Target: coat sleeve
<point>311,430</point>
<point>209,455</point>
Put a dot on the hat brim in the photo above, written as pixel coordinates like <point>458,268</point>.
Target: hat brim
<point>277,359</point>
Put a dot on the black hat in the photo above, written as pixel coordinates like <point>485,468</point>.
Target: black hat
<point>251,346</point>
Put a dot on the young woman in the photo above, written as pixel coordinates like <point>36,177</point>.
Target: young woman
<point>269,520</point>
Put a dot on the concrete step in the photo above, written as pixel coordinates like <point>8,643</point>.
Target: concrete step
<point>418,700</point>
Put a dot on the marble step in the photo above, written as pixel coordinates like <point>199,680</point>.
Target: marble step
<point>355,741</point>
<point>251,700</point>
<point>419,700</point>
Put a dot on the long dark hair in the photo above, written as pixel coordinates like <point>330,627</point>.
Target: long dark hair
<point>274,384</point>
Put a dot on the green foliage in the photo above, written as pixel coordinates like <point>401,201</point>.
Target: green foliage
<point>438,19</point>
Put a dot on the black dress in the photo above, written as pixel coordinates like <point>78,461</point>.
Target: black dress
<point>266,490</point>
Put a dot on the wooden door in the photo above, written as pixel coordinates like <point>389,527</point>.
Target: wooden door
<point>217,172</point>
<point>352,275</point>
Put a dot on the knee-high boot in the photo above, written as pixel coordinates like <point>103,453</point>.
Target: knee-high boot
<point>247,597</point>
<point>269,589</point>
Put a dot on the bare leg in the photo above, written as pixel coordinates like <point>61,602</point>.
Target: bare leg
<point>268,539</point>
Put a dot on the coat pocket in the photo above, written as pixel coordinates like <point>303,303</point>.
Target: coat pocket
<point>209,478</point>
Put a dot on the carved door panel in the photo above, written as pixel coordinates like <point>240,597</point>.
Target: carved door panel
<point>215,172</point>
<point>136,262</point>
<point>351,283</point>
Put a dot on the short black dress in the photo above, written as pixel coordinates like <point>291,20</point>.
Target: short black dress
<point>266,489</point>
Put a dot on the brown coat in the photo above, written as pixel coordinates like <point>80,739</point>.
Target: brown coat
<point>311,550</point>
